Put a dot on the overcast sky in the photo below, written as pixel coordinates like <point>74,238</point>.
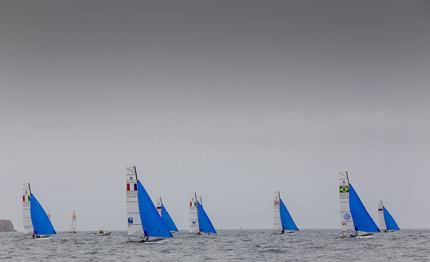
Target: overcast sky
<point>230,99</point>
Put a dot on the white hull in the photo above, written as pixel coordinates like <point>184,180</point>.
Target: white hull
<point>103,234</point>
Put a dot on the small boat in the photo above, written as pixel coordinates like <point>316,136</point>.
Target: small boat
<point>165,216</point>
<point>282,220</point>
<point>73,225</point>
<point>386,221</point>
<point>102,233</point>
<point>199,220</point>
<point>36,221</point>
<point>143,221</point>
<point>356,221</point>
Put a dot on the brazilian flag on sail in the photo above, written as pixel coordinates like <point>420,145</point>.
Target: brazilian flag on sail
<point>343,189</point>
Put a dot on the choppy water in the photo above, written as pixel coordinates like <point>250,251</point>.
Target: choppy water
<point>228,245</point>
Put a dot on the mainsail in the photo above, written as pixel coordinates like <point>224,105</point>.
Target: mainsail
<point>386,221</point>
<point>165,216</point>
<point>204,221</point>
<point>134,226</point>
<point>73,225</point>
<point>194,217</point>
<point>28,226</point>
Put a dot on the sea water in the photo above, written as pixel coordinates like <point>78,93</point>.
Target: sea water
<point>227,245</point>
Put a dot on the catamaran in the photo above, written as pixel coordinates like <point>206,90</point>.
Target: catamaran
<point>36,221</point>
<point>353,215</point>
<point>73,225</point>
<point>282,220</point>
<point>386,221</point>
<point>199,220</point>
<point>165,216</point>
<point>143,220</point>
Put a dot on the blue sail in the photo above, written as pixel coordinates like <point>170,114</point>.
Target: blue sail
<point>204,221</point>
<point>286,219</point>
<point>360,216</point>
<point>168,220</point>
<point>41,223</point>
<point>389,221</point>
<point>153,225</point>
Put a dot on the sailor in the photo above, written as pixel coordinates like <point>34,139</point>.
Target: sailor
<point>101,231</point>
<point>353,234</point>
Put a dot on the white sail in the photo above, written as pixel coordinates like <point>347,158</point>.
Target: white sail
<point>159,205</point>
<point>276,214</point>
<point>28,226</point>
<point>345,213</point>
<point>73,225</point>
<point>194,217</point>
<point>382,225</point>
<point>134,224</point>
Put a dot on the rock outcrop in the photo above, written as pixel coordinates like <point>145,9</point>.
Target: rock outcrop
<point>6,226</point>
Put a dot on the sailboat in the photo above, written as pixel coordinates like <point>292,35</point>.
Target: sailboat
<point>143,220</point>
<point>36,221</point>
<point>199,220</point>
<point>353,215</point>
<point>165,216</point>
<point>282,220</point>
<point>386,221</point>
<point>73,225</point>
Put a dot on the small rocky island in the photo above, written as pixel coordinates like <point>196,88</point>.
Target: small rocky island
<point>6,226</point>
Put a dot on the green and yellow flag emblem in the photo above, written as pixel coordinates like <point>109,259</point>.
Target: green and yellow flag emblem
<point>343,189</point>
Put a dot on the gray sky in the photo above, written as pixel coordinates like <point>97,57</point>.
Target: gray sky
<point>231,99</point>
